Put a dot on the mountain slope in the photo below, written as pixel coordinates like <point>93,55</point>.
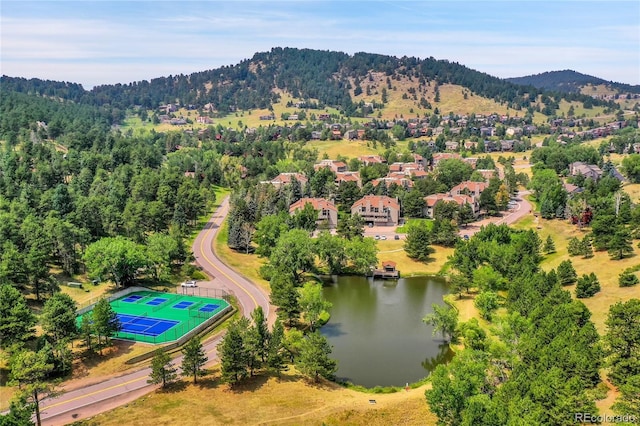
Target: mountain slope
<point>325,77</point>
<point>569,81</point>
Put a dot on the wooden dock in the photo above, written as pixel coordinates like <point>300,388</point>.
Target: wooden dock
<point>384,274</point>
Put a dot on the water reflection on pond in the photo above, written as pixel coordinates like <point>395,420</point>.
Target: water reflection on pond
<point>377,332</point>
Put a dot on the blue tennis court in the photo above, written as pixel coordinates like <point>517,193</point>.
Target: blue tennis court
<point>209,308</point>
<point>133,298</point>
<point>156,301</point>
<point>146,326</point>
<point>182,305</point>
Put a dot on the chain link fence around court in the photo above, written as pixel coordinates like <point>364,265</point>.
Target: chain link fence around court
<point>197,321</point>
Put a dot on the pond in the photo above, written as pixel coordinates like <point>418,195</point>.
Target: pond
<point>377,332</point>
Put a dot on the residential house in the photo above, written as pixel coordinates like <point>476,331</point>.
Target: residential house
<point>507,145</point>
<point>443,156</point>
<point>587,170</point>
<point>286,178</point>
<point>348,177</point>
<point>451,146</point>
<point>487,174</point>
<point>399,178</point>
<point>572,189</point>
<point>327,211</point>
<point>333,165</point>
<point>316,135</point>
<point>471,161</point>
<point>378,209</point>
<point>351,134</point>
<point>514,131</point>
<point>368,160</point>
<point>432,200</point>
<point>267,117</point>
<point>419,160</point>
<point>204,120</point>
<point>469,188</point>
<point>470,145</point>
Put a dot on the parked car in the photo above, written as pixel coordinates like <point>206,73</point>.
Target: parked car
<point>383,237</point>
<point>396,237</point>
<point>377,237</point>
<point>191,283</point>
<point>466,237</point>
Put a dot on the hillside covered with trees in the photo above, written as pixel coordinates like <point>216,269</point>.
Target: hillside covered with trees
<point>323,76</point>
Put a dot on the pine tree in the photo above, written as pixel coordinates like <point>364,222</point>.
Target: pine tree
<point>194,359</point>
<point>620,244</point>
<point>275,357</point>
<point>162,369</point>
<point>549,245</point>
<point>586,247</point>
<point>587,286</point>
<point>314,360</point>
<point>233,355</point>
<point>574,247</point>
<point>566,273</point>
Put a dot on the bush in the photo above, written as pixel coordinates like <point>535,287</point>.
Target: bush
<point>199,275</point>
<point>587,286</point>
<point>627,279</point>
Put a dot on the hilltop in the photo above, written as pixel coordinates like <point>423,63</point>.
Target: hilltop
<point>569,81</point>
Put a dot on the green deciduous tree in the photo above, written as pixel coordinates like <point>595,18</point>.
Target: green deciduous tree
<point>293,254</point>
<point>453,386</point>
<point>487,304</point>
<point>194,359</point>
<point>117,259</point>
<point>362,255</point>
<point>268,230</point>
<point>312,303</point>
<point>162,369</point>
<point>444,319</point>
<point>314,361</point>
<point>330,250</point>
<point>16,319</point>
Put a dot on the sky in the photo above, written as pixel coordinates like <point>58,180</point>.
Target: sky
<point>108,42</point>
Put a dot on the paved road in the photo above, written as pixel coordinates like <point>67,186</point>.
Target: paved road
<point>93,399</point>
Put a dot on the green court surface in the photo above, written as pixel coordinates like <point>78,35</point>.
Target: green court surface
<point>155,317</point>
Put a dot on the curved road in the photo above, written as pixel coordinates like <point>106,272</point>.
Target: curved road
<point>93,399</point>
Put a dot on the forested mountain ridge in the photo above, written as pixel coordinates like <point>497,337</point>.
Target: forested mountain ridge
<point>569,81</point>
<point>324,76</point>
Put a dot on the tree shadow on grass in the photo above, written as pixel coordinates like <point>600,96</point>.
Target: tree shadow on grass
<point>174,387</point>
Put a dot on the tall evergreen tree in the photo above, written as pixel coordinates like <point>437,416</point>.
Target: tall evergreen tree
<point>16,319</point>
<point>162,369</point>
<point>233,355</point>
<point>194,359</point>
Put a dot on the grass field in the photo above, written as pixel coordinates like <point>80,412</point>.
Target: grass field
<point>393,250</point>
<point>264,400</point>
<point>349,149</point>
